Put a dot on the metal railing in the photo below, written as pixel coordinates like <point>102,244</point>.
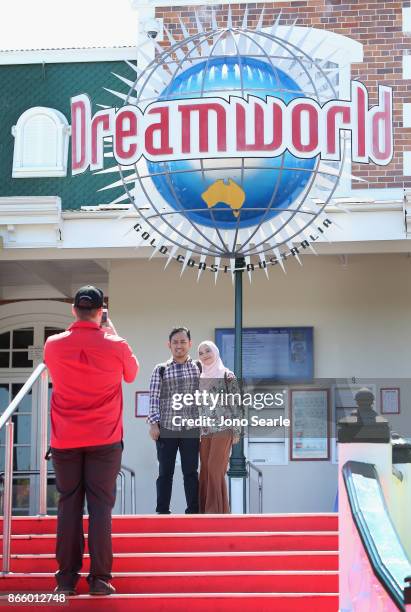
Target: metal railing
<point>6,420</point>
<point>125,468</point>
<point>252,466</point>
<point>122,476</point>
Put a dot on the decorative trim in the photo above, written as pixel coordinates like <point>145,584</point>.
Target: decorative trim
<point>139,4</point>
<point>407,162</point>
<point>16,213</point>
<point>50,312</point>
<point>406,66</point>
<point>341,205</point>
<point>99,214</point>
<point>351,205</point>
<point>20,210</point>
<point>38,173</point>
<point>406,20</point>
<point>66,56</point>
<point>406,115</point>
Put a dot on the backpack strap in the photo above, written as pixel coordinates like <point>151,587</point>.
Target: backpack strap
<point>162,368</point>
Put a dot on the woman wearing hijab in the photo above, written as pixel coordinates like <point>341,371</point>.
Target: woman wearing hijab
<point>217,437</point>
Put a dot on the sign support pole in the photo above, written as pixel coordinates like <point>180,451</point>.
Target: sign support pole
<point>237,473</point>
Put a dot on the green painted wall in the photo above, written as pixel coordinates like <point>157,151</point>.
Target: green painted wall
<point>52,85</point>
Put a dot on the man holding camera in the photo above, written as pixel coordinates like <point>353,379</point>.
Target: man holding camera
<point>87,364</point>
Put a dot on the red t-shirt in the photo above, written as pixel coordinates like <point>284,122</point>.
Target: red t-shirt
<point>87,365</point>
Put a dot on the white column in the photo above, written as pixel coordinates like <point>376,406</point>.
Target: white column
<point>381,456</point>
<point>237,495</point>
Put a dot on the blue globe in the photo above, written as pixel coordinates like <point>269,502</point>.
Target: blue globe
<point>269,184</point>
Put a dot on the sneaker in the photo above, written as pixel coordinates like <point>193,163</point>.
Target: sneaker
<point>66,590</point>
<point>101,587</point>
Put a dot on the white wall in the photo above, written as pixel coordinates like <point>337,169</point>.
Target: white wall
<point>362,327</point>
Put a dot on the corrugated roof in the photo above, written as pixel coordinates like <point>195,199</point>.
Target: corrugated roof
<point>67,24</point>
<point>64,48</point>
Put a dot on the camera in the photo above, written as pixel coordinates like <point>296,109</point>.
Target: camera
<point>152,28</point>
<point>104,318</point>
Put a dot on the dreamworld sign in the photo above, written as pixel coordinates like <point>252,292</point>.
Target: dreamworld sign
<point>231,142</point>
<point>211,128</point>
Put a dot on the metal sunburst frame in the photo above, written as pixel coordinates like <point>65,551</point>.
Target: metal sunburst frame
<point>173,227</point>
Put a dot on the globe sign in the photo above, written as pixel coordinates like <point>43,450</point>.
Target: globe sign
<point>264,188</point>
<point>231,207</point>
<point>231,142</point>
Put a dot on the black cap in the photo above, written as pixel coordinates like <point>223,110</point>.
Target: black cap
<point>89,297</point>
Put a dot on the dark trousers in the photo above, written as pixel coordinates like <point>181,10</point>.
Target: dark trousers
<point>87,472</point>
<point>166,453</point>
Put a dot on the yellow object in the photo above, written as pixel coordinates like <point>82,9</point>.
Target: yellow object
<point>226,192</point>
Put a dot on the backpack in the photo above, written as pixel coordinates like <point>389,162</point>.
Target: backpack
<point>162,368</point>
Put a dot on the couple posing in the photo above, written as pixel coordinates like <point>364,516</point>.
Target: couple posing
<point>212,442</point>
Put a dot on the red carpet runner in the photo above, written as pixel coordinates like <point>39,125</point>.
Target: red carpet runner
<point>253,563</point>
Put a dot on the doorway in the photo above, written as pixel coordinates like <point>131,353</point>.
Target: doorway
<point>24,327</point>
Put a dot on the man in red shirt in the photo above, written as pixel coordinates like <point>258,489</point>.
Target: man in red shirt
<point>87,364</point>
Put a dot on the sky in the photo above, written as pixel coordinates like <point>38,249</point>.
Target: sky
<point>46,24</point>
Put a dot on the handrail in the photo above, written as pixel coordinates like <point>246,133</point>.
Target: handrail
<point>382,546</point>
<point>260,487</point>
<point>5,419</point>
<point>133,487</point>
<point>7,499</point>
<point>22,394</point>
<point>51,474</point>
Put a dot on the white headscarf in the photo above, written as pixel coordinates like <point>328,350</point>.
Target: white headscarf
<point>214,370</point>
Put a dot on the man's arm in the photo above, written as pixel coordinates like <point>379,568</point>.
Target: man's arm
<point>155,391</point>
<point>154,411</point>
<point>130,363</point>
<point>109,327</point>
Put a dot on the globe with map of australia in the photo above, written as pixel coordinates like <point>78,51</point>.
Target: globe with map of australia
<point>230,193</point>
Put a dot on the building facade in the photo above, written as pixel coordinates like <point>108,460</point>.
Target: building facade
<point>59,231</point>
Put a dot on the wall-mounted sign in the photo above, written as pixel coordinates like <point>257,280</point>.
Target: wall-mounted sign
<point>35,352</point>
<point>273,353</point>
<point>310,424</point>
<point>230,144</point>
<point>390,400</point>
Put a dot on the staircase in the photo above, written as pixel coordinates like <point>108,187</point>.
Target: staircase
<point>207,563</point>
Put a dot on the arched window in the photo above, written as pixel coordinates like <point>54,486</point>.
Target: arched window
<point>41,143</point>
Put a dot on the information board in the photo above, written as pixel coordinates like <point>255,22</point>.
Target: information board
<point>273,353</point>
<point>310,424</point>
